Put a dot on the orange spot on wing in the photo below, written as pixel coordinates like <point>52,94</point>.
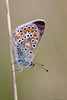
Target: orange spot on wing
<point>32,29</point>
<point>35,33</point>
<point>16,37</point>
<point>28,29</point>
<point>25,31</point>
<point>38,25</point>
<point>37,37</point>
<point>21,33</point>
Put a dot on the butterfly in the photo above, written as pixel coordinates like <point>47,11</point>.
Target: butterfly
<point>26,39</point>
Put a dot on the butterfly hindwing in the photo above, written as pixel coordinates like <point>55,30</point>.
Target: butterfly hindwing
<point>26,39</point>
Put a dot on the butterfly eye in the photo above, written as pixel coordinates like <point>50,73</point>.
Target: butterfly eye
<point>33,45</point>
<point>31,64</point>
<point>25,30</point>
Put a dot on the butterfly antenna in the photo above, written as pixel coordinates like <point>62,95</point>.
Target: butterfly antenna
<point>41,65</point>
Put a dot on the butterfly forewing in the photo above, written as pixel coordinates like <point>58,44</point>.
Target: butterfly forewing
<point>26,39</point>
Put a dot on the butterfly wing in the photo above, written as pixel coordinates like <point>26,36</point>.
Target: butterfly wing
<point>40,25</point>
<point>26,39</point>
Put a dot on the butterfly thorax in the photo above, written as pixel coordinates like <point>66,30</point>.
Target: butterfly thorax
<point>25,63</point>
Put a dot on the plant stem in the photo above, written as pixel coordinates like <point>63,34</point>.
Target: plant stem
<point>11,50</point>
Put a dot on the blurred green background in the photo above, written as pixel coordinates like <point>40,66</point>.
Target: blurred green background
<point>34,83</point>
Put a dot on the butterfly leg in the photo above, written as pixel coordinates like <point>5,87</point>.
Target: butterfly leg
<point>19,69</point>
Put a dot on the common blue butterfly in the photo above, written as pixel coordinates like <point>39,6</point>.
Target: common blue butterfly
<point>26,39</point>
